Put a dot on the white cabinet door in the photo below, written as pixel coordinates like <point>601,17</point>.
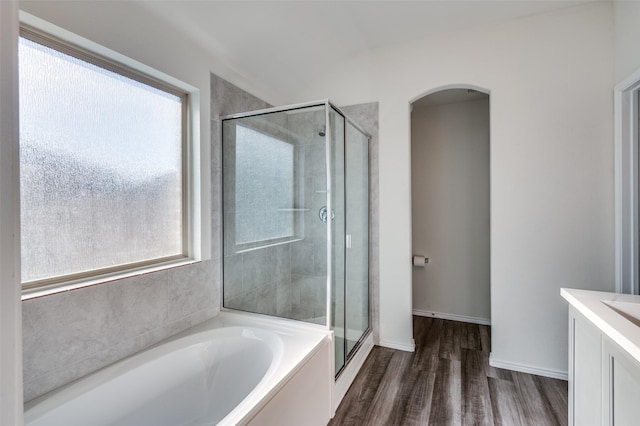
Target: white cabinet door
<point>585,371</point>
<point>622,386</point>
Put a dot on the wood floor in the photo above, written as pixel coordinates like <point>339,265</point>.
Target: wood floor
<point>448,381</point>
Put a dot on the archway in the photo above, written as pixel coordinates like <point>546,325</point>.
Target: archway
<point>450,163</point>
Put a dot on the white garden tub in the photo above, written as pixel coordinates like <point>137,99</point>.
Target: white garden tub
<point>226,371</point>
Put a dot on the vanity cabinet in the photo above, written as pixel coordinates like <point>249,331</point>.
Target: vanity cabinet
<point>604,379</point>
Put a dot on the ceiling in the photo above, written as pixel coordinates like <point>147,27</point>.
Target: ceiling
<point>290,43</point>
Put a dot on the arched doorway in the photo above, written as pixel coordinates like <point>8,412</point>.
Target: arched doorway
<point>450,147</point>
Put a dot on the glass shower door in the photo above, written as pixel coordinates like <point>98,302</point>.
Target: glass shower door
<point>274,185</point>
<point>349,235</point>
<point>357,236</point>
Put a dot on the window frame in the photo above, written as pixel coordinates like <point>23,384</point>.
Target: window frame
<point>40,287</point>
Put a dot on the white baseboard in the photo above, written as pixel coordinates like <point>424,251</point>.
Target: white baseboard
<point>555,374</point>
<point>400,346</point>
<point>350,371</point>
<point>452,317</point>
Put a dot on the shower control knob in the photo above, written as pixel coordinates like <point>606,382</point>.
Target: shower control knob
<point>323,214</point>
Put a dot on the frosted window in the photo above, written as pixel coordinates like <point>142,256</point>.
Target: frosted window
<point>264,187</point>
<point>100,167</point>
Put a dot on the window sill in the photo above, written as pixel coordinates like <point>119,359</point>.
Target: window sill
<point>50,289</point>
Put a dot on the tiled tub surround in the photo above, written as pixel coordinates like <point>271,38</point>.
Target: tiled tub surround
<point>68,335</point>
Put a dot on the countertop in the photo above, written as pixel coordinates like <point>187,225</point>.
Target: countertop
<point>613,324</point>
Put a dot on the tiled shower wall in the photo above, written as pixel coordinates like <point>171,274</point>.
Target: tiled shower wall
<point>286,280</point>
<point>309,256</point>
<point>252,278</point>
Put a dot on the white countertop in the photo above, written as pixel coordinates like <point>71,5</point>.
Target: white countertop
<point>619,329</point>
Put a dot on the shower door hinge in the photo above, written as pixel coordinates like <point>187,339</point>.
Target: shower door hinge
<point>348,241</point>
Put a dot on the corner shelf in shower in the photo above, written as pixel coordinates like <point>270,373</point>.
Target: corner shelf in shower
<point>293,210</point>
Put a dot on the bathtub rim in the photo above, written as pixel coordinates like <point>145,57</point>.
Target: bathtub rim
<point>325,335</point>
<point>42,405</point>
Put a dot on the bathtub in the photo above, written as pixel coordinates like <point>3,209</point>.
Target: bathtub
<point>230,370</point>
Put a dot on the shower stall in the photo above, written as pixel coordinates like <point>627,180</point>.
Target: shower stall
<point>296,218</point>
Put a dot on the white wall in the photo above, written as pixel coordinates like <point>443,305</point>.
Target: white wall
<point>10,316</point>
<point>627,35</point>
<point>626,68</point>
<point>450,209</point>
<point>550,79</point>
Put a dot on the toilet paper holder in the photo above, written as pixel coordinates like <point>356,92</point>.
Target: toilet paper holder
<point>419,260</point>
